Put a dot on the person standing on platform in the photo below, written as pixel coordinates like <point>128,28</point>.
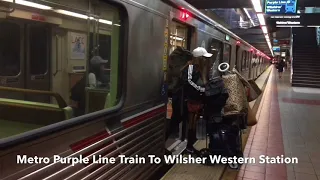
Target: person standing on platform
<point>280,67</point>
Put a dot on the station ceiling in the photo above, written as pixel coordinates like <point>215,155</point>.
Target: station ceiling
<point>210,4</point>
<point>254,35</point>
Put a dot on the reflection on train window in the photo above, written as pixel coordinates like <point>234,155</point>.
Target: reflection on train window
<point>215,49</point>
<point>178,36</point>
<point>254,60</point>
<point>9,49</point>
<point>244,62</point>
<point>249,57</point>
<point>39,54</point>
<point>56,61</point>
<point>227,53</point>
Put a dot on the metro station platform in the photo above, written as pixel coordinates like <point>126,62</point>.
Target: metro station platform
<point>216,172</point>
<point>288,124</point>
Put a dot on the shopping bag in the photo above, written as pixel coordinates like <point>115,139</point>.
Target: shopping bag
<point>201,129</point>
<point>254,91</point>
<point>251,118</point>
<point>237,101</point>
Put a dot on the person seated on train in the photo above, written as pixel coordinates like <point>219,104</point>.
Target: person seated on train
<point>195,78</point>
<point>96,78</point>
<point>177,61</point>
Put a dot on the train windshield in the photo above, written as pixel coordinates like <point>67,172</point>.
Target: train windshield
<point>57,64</point>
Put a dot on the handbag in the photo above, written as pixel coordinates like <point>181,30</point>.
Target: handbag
<point>253,91</point>
<point>237,101</point>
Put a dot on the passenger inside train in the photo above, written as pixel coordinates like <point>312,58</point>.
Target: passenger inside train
<point>97,78</point>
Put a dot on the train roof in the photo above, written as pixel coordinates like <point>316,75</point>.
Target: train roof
<point>196,12</point>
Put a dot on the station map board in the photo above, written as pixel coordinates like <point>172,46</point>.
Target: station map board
<point>281,6</point>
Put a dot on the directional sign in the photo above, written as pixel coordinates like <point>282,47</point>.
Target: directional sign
<point>281,6</point>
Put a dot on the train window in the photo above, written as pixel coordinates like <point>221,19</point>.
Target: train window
<point>244,63</point>
<point>227,53</point>
<point>215,49</point>
<point>249,57</point>
<point>9,49</point>
<point>38,45</point>
<point>178,36</point>
<point>62,60</point>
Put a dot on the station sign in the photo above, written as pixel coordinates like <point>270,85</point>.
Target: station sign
<point>288,22</point>
<point>281,6</point>
<point>276,48</point>
<point>285,17</point>
<point>293,21</point>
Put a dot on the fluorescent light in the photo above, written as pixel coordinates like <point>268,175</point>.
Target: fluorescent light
<point>261,19</point>
<point>257,5</point>
<point>30,4</point>
<point>247,13</point>
<point>264,29</point>
<point>105,21</point>
<point>82,16</point>
<point>314,26</point>
<point>69,13</point>
<point>117,24</point>
<point>177,38</point>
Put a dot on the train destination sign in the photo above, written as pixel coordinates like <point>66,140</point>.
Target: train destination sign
<point>281,6</point>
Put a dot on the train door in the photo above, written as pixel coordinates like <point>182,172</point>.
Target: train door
<point>11,58</point>
<point>37,58</point>
<point>227,53</point>
<point>180,35</point>
<point>238,59</point>
<point>24,58</point>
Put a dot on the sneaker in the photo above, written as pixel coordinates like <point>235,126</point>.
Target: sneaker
<point>192,150</point>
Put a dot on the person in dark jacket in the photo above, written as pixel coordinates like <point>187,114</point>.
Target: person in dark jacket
<point>280,68</point>
<point>96,78</point>
<point>178,60</point>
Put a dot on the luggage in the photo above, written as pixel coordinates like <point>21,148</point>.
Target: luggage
<point>225,139</point>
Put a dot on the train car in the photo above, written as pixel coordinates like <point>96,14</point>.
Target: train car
<point>49,107</point>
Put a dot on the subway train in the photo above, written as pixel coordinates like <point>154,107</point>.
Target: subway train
<point>46,51</point>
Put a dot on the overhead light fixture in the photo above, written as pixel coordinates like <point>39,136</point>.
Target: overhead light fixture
<point>247,13</point>
<point>105,21</point>
<point>82,16</point>
<point>30,4</point>
<point>69,13</point>
<point>257,5</point>
<point>261,19</point>
<point>264,29</point>
<point>177,38</point>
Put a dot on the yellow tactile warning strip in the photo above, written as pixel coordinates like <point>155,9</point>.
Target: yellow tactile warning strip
<point>195,171</point>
